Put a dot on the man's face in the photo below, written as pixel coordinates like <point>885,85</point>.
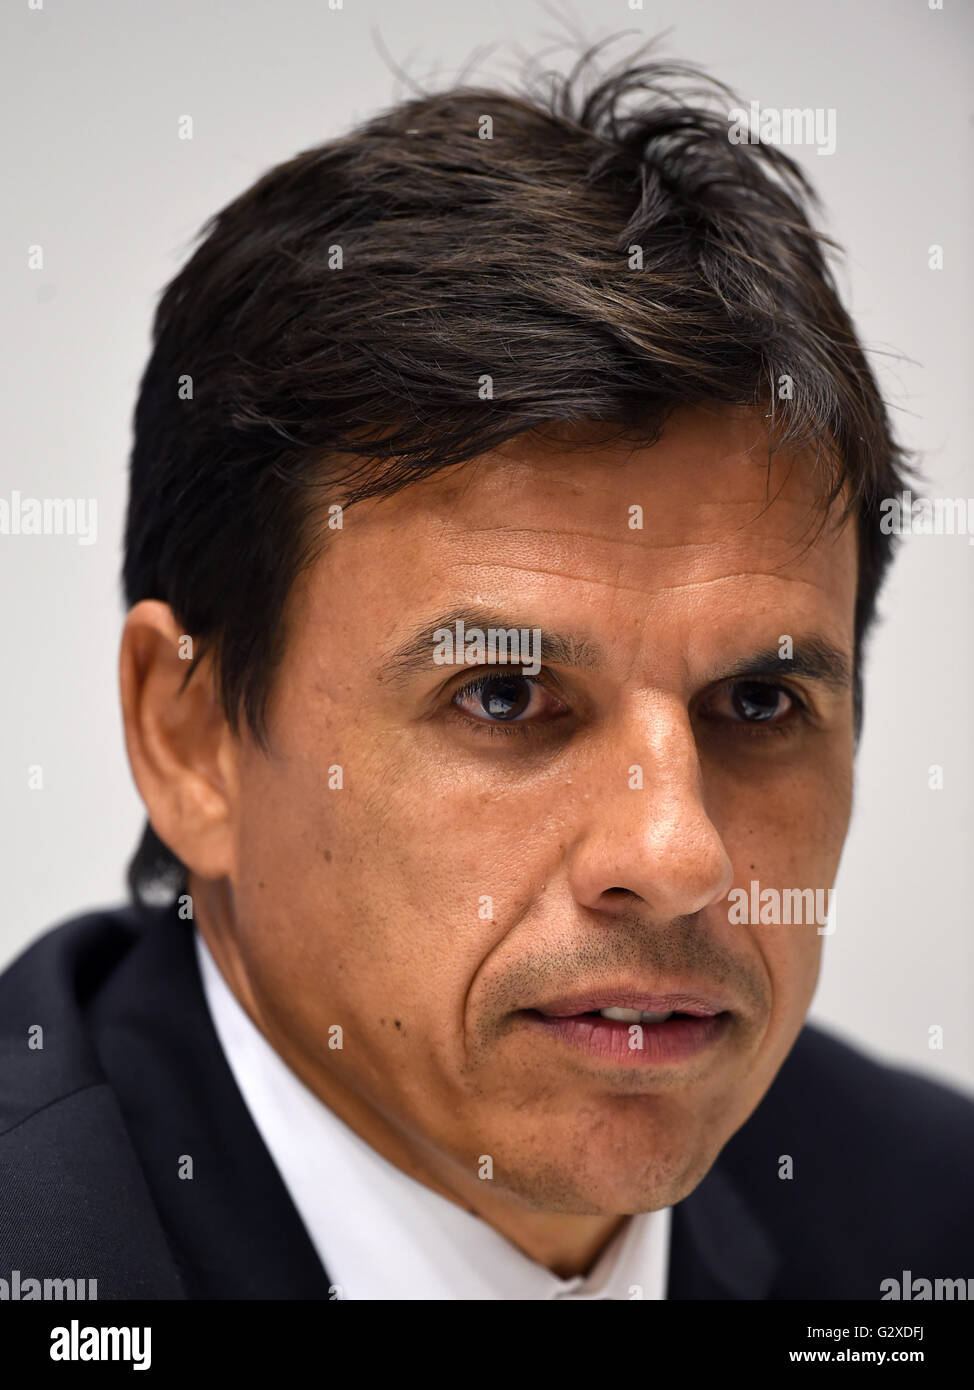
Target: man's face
<point>505,855</point>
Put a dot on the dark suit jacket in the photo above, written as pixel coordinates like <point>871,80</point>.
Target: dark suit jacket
<point>131,1077</point>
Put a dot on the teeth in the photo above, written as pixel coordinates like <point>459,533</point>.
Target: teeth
<point>634,1015</point>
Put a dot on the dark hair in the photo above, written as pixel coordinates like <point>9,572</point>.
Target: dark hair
<point>459,256</point>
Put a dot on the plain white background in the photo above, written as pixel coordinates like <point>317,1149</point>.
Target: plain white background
<point>94,171</point>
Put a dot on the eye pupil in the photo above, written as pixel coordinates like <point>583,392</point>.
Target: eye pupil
<point>504,697</point>
<point>756,702</point>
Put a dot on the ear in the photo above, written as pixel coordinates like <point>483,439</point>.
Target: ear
<point>182,752</point>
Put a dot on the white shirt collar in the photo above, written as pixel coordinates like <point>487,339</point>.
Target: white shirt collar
<point>378,1232</point>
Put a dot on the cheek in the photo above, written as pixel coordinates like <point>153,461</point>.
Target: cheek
<point>786,833</point>
<point>395,882</point>
<point>792,957</point>
<point>785,824</point>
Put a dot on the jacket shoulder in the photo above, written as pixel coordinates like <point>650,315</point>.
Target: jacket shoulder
<point>74,1204</point>
<point>828,1085</point>
<point>44,1050</point>
<point>859,1170</point>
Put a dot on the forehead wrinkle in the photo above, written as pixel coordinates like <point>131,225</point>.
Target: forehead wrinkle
<point>519,541</point>
<point>745,574</point>
<point>646,544</point>
<point>623,536</point>
<point>513,531</point>
<point>635,589</point>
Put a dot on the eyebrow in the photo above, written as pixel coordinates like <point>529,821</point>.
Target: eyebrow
<point>557,648</point>
<point>814,656</point>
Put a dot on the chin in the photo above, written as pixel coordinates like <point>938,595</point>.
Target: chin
<point>612,1178</point>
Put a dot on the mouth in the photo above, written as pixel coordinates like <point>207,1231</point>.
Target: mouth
<point>628,1028</point>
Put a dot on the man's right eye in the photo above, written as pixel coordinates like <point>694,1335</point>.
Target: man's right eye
<point>506,698</point>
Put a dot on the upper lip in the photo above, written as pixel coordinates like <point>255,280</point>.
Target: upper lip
<point>625,997</point>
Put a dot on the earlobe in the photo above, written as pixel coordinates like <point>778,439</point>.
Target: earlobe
<point>178,739</point>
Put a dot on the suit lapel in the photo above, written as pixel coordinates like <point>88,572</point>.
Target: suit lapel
<point>234,1230</point>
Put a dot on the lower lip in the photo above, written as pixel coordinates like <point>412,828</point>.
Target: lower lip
<point>676,1040</point>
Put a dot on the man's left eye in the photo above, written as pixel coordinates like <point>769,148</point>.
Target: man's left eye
<point>754,702</point>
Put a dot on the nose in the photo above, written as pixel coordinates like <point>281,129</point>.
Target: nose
<point>643,830</point>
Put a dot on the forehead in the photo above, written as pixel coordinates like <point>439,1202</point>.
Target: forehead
<point>701,521</point>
